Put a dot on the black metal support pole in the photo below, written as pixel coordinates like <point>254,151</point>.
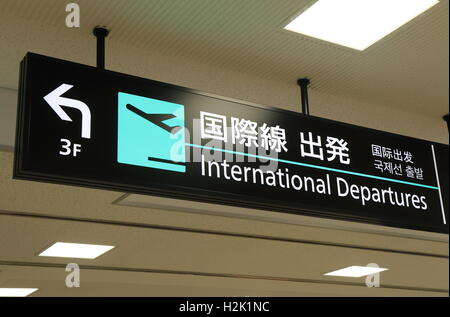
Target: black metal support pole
<point>303,83</point>
<point>446,120</point>
<point>100,33</point>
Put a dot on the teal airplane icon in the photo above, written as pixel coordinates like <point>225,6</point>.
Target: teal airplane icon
<point>156,118</point>
<point>150,133</point>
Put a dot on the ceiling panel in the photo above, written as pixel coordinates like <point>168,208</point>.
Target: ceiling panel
<point>176,252</point>
<point>407,69</point>
<point>152,241</point>
<point>50,281</point>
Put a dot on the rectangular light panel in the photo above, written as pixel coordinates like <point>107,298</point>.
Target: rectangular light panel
<point>356,23</point>
<point>16,292</point>
<point>356,271</point>
<point>76,250</point>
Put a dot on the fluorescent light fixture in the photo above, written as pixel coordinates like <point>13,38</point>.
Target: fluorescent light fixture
<point>76,250</point>
<point>356,271</point>
<point>356,23</point>
<point>16,292</point>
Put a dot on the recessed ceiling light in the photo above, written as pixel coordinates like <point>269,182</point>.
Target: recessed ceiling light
<point>356,271</point>
<point>356,23</point>
<point>76,250</point>
<point>16,292</point>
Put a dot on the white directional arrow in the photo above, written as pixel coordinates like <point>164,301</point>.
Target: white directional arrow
<point>55,101</point>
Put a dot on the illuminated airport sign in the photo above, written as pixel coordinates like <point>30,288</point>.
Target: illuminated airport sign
<point>83,126</point>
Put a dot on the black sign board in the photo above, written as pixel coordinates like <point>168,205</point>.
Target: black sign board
<point>89,127</point>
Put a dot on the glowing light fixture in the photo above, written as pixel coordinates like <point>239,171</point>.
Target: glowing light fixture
<point>76,250</point>
<point>356,271</point>
<point>16,292</point>
<point>356,23</point>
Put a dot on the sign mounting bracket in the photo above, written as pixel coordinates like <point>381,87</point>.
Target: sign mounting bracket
<point>446,120</point>
<point>304,83</point>
<point>100,33</point>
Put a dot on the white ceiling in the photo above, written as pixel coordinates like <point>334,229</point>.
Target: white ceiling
<point>407,69</point>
